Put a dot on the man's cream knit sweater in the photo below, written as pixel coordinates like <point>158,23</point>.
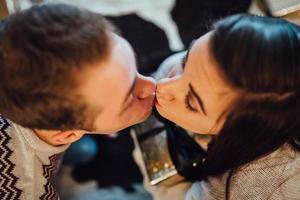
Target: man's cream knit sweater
<point>27,164</point>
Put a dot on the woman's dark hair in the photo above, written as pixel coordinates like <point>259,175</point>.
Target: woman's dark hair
<point>259,56</point>
<point>42,51</point>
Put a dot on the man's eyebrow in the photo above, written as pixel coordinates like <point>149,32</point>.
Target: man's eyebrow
<point>199,100</point>
<point>185,58</point>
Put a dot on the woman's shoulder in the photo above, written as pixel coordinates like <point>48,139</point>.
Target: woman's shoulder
<point>278,172</point>
<point>283,157</point>
<point>273,174</point>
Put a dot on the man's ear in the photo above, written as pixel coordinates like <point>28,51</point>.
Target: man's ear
<point>67,137</point>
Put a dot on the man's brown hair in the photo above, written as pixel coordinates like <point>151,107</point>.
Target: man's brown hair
<point>42,51</point>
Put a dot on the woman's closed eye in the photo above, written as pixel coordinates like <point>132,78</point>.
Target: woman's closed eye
<point>193,101</point>
<point>190,102</point>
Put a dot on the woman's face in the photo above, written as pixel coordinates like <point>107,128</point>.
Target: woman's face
<point>196,97</point>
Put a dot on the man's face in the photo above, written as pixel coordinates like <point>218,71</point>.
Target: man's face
<point>115,93</point>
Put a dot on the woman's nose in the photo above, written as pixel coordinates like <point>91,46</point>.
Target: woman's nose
<point>147,87</point>
<point>165,89</point>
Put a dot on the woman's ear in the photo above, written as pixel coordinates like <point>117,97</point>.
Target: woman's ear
<point>67,137</point>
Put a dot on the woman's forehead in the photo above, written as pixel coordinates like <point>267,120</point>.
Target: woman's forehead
<point>203,68</point>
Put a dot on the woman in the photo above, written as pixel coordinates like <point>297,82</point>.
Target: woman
<point>241,83</point>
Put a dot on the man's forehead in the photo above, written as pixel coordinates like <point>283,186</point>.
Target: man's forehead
<point>119,40</point>
<point>121,64</point>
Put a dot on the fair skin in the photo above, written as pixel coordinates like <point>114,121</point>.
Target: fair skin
<point>196,96</point>
<point>114,90</point>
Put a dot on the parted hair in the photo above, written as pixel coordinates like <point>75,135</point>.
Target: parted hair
<point>42,52</point>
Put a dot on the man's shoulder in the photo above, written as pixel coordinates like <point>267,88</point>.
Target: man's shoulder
<point>4,123</point>
<point>7,162</point>
<point>21,152</point>
<point>8,127</point>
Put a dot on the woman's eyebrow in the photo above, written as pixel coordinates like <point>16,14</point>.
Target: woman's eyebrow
<point>185,58</point>
<point>199,100</point>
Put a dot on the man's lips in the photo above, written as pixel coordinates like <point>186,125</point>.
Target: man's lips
<point>156,102</point>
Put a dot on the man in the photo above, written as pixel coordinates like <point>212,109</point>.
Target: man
<point>63,73</point>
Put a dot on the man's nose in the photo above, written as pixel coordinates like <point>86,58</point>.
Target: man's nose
<point>147,87</point>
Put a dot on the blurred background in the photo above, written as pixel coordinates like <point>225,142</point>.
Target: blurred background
<point>102,167</point>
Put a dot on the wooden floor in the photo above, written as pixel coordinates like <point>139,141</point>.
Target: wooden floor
<point>3,9</point>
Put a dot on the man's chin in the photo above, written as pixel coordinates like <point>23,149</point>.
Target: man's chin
<point>137,121</point>
<point>143,117</point>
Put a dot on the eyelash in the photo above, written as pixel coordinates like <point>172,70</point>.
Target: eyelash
<point>183,61</point>
<point>187,103</point>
